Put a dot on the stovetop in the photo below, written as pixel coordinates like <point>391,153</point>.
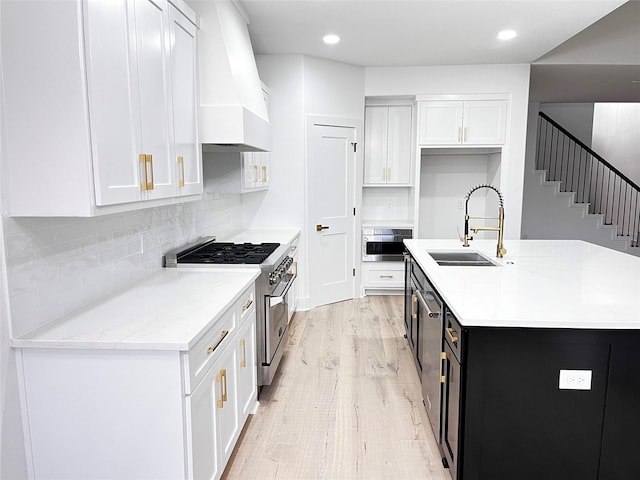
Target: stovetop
<point>230,253</point>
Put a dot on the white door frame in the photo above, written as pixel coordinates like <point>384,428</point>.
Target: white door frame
<point>312,120</point>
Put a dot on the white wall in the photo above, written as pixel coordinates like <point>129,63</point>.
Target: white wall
<point>577,118</point>
<point>300,86</point>
<point>445,179</point>
<point>616,136</point>
<point>472,79</point>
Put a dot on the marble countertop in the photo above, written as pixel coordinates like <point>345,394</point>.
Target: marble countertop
<point>263,236</point>
<point>538,283</point>
<point>169,310</point>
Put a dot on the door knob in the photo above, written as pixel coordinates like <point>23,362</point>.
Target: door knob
<point>320,227</point>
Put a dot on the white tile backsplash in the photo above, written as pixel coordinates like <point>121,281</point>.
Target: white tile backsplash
<point>57,265</point>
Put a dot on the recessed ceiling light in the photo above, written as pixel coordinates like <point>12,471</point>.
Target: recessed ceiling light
<point>507,35</point>
<point>331,39</point>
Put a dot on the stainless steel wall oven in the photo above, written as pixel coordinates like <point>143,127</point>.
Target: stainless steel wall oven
<point>384,244</point>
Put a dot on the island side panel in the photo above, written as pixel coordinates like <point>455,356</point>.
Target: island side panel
<point>622,415</point>
<point>517,422</point>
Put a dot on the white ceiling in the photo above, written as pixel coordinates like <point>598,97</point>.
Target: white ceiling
<point>379,33</point>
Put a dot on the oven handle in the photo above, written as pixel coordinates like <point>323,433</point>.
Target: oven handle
<point>273,301</point>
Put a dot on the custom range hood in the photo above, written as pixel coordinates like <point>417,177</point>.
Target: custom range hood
<point>233,115</point>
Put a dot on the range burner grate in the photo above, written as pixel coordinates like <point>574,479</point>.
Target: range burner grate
<point>230,253</point>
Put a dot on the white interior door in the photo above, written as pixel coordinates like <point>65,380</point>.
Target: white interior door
<point>331,161</point>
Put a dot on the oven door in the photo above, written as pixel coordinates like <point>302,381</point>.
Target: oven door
<point>277,318</point>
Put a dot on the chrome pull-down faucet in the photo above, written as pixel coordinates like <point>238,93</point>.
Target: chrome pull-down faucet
<point>500,251</point>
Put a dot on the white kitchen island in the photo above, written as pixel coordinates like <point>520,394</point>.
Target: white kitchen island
<point>154,381</point>
<point>539,359</point>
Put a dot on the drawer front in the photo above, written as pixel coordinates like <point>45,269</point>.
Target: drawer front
<point>453,334</point>
<point>207,349</point>
<point>384,278</point>
<point>246,305</point>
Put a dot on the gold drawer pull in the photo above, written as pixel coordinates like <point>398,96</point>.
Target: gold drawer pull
<point>386,276</point>
<point>246,306</point>
<point>243,362</point>
<point>264,174</point>
<point>255,173</point>
<point>223,334</point>
<point>450,333</point>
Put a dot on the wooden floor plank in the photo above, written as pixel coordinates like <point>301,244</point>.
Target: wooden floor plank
<point>346,402</point>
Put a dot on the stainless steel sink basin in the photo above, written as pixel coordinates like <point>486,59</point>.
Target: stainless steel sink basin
<point>461,259</point>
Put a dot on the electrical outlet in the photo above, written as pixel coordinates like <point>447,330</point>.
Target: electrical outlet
<point>460,204</point>
<point>575,380</point>
<point>389,205</point>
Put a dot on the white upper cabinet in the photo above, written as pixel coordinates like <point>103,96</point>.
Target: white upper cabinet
<point>187,155</point>
<point>127,69</point>
<point>90,118</point>
<point>387,149</point>
<point>468,122</point>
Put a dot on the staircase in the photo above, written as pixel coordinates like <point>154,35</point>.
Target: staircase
<point>582,195</point>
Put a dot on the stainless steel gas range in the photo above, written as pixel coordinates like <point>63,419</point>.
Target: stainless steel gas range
<point>277,277</point>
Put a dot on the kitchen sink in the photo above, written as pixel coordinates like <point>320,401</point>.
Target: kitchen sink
<point>461,259</point>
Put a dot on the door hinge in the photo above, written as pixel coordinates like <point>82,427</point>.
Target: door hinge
<point>354,146</point>
<point>354,272</point>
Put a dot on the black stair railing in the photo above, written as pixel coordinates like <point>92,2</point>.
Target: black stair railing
<point>593,180</point>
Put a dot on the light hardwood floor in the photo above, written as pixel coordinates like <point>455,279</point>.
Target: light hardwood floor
<point>346,402</point>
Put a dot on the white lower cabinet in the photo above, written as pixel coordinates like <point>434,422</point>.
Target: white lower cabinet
<point>133,414</point>
<point>383,275</point>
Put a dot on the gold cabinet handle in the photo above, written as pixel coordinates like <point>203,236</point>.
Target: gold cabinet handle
<point>389,174</point>
<point>142,159</point>
<point>148,171</point>
<point>384,174</point>
<point>181,164</point>
<point>464,137</point>
<point>459,134</point>
<point>223,334</point>
<point>220,401</point>
<point>443,357</point>
<point>255,173</point>
<point>243,362</point>
<point>246,306</point>
<point>223,372</point>
<point>264,174</point>
<point>451,336</point>
<point>414,310</point>
<point>319,228</point>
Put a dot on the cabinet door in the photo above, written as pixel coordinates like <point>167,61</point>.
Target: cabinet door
<point>204,461</point>
<point>264,163</point>
<point>399,145</point>
<point>440,123</point>
<point>247,369</point>
<point>227,421</point>
<point>375,144</point>
<point>484,122</point>
<point>152,60</point>
<point>183,86</point>
<point>451,409</point>
<point>249,171</point>
<point>114,127</point>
